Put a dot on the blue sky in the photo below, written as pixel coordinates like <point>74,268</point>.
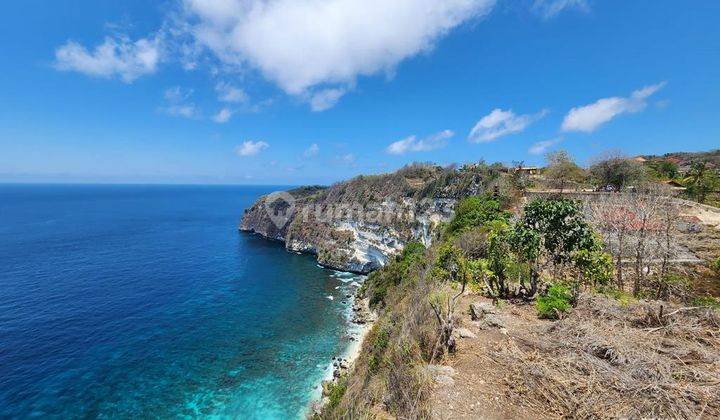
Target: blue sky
<point>291,92</point>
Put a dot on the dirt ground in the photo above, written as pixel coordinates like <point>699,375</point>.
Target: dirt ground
<point>478,389</point>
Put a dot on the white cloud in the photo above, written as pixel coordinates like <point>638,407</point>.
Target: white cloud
<point>325,99</point>
<point>317,49</point>
<point>550,8</point>
<point>413,144</point>
<point>500,123</point>
<point>589,117</point>
<point>223,116</point>
<point>178,103</point>
<point>347,159</point>
<point>177,94</point>
<point>251,148</point>
<point>115,57</point>
<point>543,146</point>
<point>311,151</point>
<point>185,111</point>
<point>229,93</point>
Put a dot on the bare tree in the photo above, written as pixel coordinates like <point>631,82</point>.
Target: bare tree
<point>639,228</point>
<point>562,170</point>
<point>615,171</point>
<point>611,214</point>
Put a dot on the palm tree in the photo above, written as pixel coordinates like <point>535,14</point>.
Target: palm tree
<point>700,181</point>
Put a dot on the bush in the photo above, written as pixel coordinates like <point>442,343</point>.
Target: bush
<point>715,266</point>
<point>555,302</point>
<point>392,274</point>
<point>378,344</point>
<point>336,392</point>
<point>475,212</point>
<point>622,297</point>
<point>596,267</point>
<point>706,301</point>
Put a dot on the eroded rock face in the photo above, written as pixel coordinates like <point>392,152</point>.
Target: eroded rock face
<point>358,225</point>
<point>351,242</point>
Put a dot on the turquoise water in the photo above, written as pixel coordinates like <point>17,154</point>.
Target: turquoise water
<point>145,301</point>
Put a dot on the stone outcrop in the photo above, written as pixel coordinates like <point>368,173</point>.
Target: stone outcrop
<point>359,224</point>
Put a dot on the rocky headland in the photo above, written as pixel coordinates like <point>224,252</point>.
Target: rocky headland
<point>357,225</point>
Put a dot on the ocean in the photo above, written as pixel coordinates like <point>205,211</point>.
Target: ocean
<point>145,301</point>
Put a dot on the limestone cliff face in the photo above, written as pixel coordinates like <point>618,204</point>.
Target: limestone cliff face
<point>359,224</point>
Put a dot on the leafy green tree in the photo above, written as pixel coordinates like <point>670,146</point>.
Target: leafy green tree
<point>595,266</point>
<point>452,265</point>
<point>562,170</point>
<point>550,233</point>
<point>664,169</point>
<point>474,212</point>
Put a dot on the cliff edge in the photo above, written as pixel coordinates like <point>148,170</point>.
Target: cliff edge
<point>357,225</point>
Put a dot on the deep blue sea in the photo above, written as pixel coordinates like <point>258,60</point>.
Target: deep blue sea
<point>146,301</point>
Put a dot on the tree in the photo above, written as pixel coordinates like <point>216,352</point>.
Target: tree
<point>640,231</point>
<point>519,179</point>
<point>549,234</point>
<point>611,214</point>
<point>562,170</point>
<point>664,169</point>
<point>617,172</point>
<point>451,265</point>
<point>701,180</point>
<point>473,212</point>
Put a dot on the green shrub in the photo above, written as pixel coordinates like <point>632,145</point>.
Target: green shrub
<point>380,281</point>
<point>706,301</point>
<point>337,391</point>
<point>475,212</point>
<point>378,343</point>
<point>715,266</point>
<point>595,266</point>
<point>555,302</point>
<point>622,297</point>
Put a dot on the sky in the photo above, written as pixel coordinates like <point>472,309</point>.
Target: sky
<point>312,92</point>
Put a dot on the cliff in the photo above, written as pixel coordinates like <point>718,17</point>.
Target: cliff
<point>357,225</point>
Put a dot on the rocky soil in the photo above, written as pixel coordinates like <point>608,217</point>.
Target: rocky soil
<point>605,360</point>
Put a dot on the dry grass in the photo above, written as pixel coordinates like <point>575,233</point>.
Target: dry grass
<point>389,379</point>
<point>608,360</point>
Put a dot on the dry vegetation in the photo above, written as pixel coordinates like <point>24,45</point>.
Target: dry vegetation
<point>607,361</point>
<point>389,377</point>
<point>631,338</point>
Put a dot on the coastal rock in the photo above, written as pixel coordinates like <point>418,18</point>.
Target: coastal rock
<point>358,225</point>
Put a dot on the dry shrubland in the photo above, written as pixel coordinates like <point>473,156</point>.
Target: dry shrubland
<point>607,360</point>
